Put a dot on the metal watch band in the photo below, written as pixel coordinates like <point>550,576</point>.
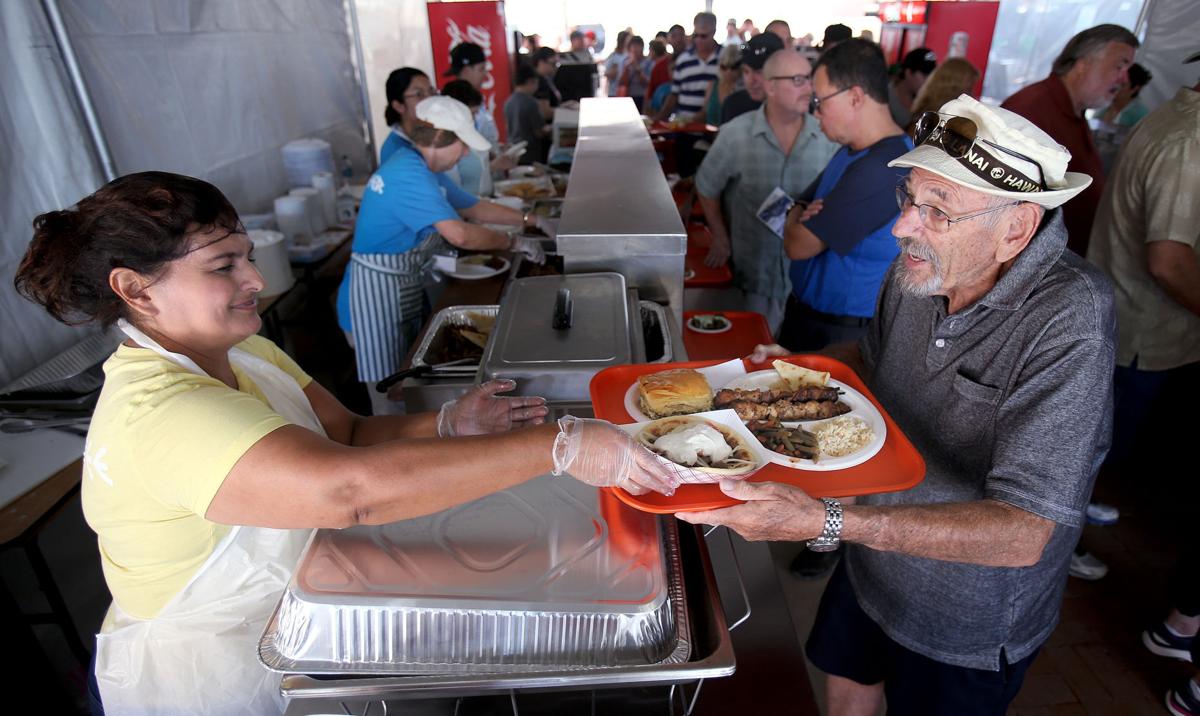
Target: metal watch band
<point>831,534</point>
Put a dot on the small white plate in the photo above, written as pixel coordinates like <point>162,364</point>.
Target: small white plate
<point>729,419</point>
<point>860,407</point>
<point>474,272</point>
<point>692,327</point>
<point>689,274</point>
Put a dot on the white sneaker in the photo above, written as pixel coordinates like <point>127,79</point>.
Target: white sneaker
<point>1099,513</point>
<point>1087,566</point>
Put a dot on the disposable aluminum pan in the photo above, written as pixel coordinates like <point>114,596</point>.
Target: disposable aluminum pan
<point>432,348</point>
<point>550,575</point>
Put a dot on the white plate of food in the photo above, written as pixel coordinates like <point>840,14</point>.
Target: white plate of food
<point>702,448</point>
<point>846,428</point>
<point>478,266</point>
<point>709,323</point>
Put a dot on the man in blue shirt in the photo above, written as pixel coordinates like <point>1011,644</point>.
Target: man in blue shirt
<point>841,242</point>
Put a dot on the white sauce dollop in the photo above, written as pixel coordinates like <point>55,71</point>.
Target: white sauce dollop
<point>685,446</point>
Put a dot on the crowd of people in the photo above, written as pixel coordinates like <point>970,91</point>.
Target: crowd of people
<point>1030,320</point>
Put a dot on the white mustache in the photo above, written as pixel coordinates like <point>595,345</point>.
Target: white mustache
<point>910,245</point>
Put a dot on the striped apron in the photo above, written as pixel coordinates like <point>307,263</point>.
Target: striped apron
<point>387,307</point>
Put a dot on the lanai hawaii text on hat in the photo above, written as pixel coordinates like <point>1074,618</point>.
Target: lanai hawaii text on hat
<point>1010,156</point>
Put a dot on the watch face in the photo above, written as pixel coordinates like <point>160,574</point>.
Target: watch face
<point>815,546</point>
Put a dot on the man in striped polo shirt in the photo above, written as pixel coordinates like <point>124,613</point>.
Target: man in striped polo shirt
<point>695,69</point>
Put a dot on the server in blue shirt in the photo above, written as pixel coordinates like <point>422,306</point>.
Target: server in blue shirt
<point>408,204</point>
<point>406,87</point>
<point>841,243</point>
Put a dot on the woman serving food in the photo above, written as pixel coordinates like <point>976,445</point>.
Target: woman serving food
<point>407,205</point>
<point>210,451</point>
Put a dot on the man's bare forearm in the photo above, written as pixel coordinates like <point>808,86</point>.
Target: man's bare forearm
<point>983,532</point>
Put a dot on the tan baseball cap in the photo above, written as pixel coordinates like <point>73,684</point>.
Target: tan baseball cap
<point>989,169</point>
<point>448,113</point>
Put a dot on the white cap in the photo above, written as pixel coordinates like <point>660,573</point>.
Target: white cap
<point>989,170</point>
<point>448,113</point>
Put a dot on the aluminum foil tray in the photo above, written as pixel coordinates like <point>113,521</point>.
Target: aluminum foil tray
<point>548,575</point>
<point>432,344</point>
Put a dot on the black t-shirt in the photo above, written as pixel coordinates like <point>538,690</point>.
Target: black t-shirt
<point>737,104</point>
<point>547,91</point>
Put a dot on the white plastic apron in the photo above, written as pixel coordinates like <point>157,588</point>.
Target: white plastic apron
<point>199,655</point>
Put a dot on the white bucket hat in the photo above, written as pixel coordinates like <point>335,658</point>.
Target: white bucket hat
<point>988,169</point>
<point>450,114</point>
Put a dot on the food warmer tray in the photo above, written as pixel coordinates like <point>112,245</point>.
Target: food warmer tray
<point>549,575</point>
<point>712,655</point>
<point>430,350</point>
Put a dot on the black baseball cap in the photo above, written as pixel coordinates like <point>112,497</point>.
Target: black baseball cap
<point>463,55</point>
<point>543,54</point>
<point>921,59</point>
<point>837,33</point>
<point>758,49</point>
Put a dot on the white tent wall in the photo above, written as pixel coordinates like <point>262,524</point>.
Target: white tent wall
<point>213,88</point>
<point>208,88</point>
<point>47,163</point>
<point>1172,32</point>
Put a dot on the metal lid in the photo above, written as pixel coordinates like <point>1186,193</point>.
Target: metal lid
<point>598,334</point>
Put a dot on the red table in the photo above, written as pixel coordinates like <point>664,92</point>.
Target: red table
<point>690,128</point>
<point>748,330</point>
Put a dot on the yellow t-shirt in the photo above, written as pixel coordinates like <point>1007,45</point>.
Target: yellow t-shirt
<point>161,442</point>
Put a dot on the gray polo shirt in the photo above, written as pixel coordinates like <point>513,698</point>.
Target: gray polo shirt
<point>1009,399</point>
<point>744,164</point>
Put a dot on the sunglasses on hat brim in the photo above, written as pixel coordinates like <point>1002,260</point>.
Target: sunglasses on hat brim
<point>956,136</point>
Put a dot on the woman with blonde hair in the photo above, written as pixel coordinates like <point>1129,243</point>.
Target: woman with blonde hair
<point>728,80</point>
<point>953,77</point>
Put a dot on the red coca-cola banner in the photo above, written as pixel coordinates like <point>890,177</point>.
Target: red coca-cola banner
<point>482,23</point>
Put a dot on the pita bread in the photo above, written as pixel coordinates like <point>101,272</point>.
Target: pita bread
<point>797,377</point>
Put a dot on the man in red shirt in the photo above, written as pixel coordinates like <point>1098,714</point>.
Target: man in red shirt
<point>1086,75</point>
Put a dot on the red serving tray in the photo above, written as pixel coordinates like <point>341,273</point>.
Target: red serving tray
<point>704,276</point>
<point>897,466</point>
<point>748,330</point>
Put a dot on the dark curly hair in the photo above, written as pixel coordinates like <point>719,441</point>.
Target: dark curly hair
<point>140,221</point>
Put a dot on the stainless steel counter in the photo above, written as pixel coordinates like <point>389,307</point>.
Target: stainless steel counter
<point>618,214</point>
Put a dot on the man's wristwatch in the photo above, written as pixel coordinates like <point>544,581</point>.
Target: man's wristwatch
<point>831,535</point>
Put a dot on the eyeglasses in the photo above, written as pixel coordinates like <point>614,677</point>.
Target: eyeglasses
<point>797,80</point>
<point>421,93</point>
<point>934,218</point>
<point>814,104</point>
<point>957,135</point>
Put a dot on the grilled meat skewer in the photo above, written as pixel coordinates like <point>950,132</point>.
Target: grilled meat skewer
<point>727,395</point>
<point>788,410</point>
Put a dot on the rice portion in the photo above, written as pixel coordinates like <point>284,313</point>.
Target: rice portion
<point>843,435</point>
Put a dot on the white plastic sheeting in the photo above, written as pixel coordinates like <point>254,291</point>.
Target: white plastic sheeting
<point>208,88</point>
<point>47,163</point>
<point>1030,34</point>
<point>1172,33</point>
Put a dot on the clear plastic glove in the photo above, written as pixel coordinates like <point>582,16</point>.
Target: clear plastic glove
<point>763,352</point>
<point>481,412</point>
<point>528,246</point>
<point>546,225</point>
<point>503,163</point>
<point>598,453</point>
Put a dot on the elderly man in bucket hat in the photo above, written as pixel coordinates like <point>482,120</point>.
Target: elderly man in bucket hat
<point>992,348</point>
